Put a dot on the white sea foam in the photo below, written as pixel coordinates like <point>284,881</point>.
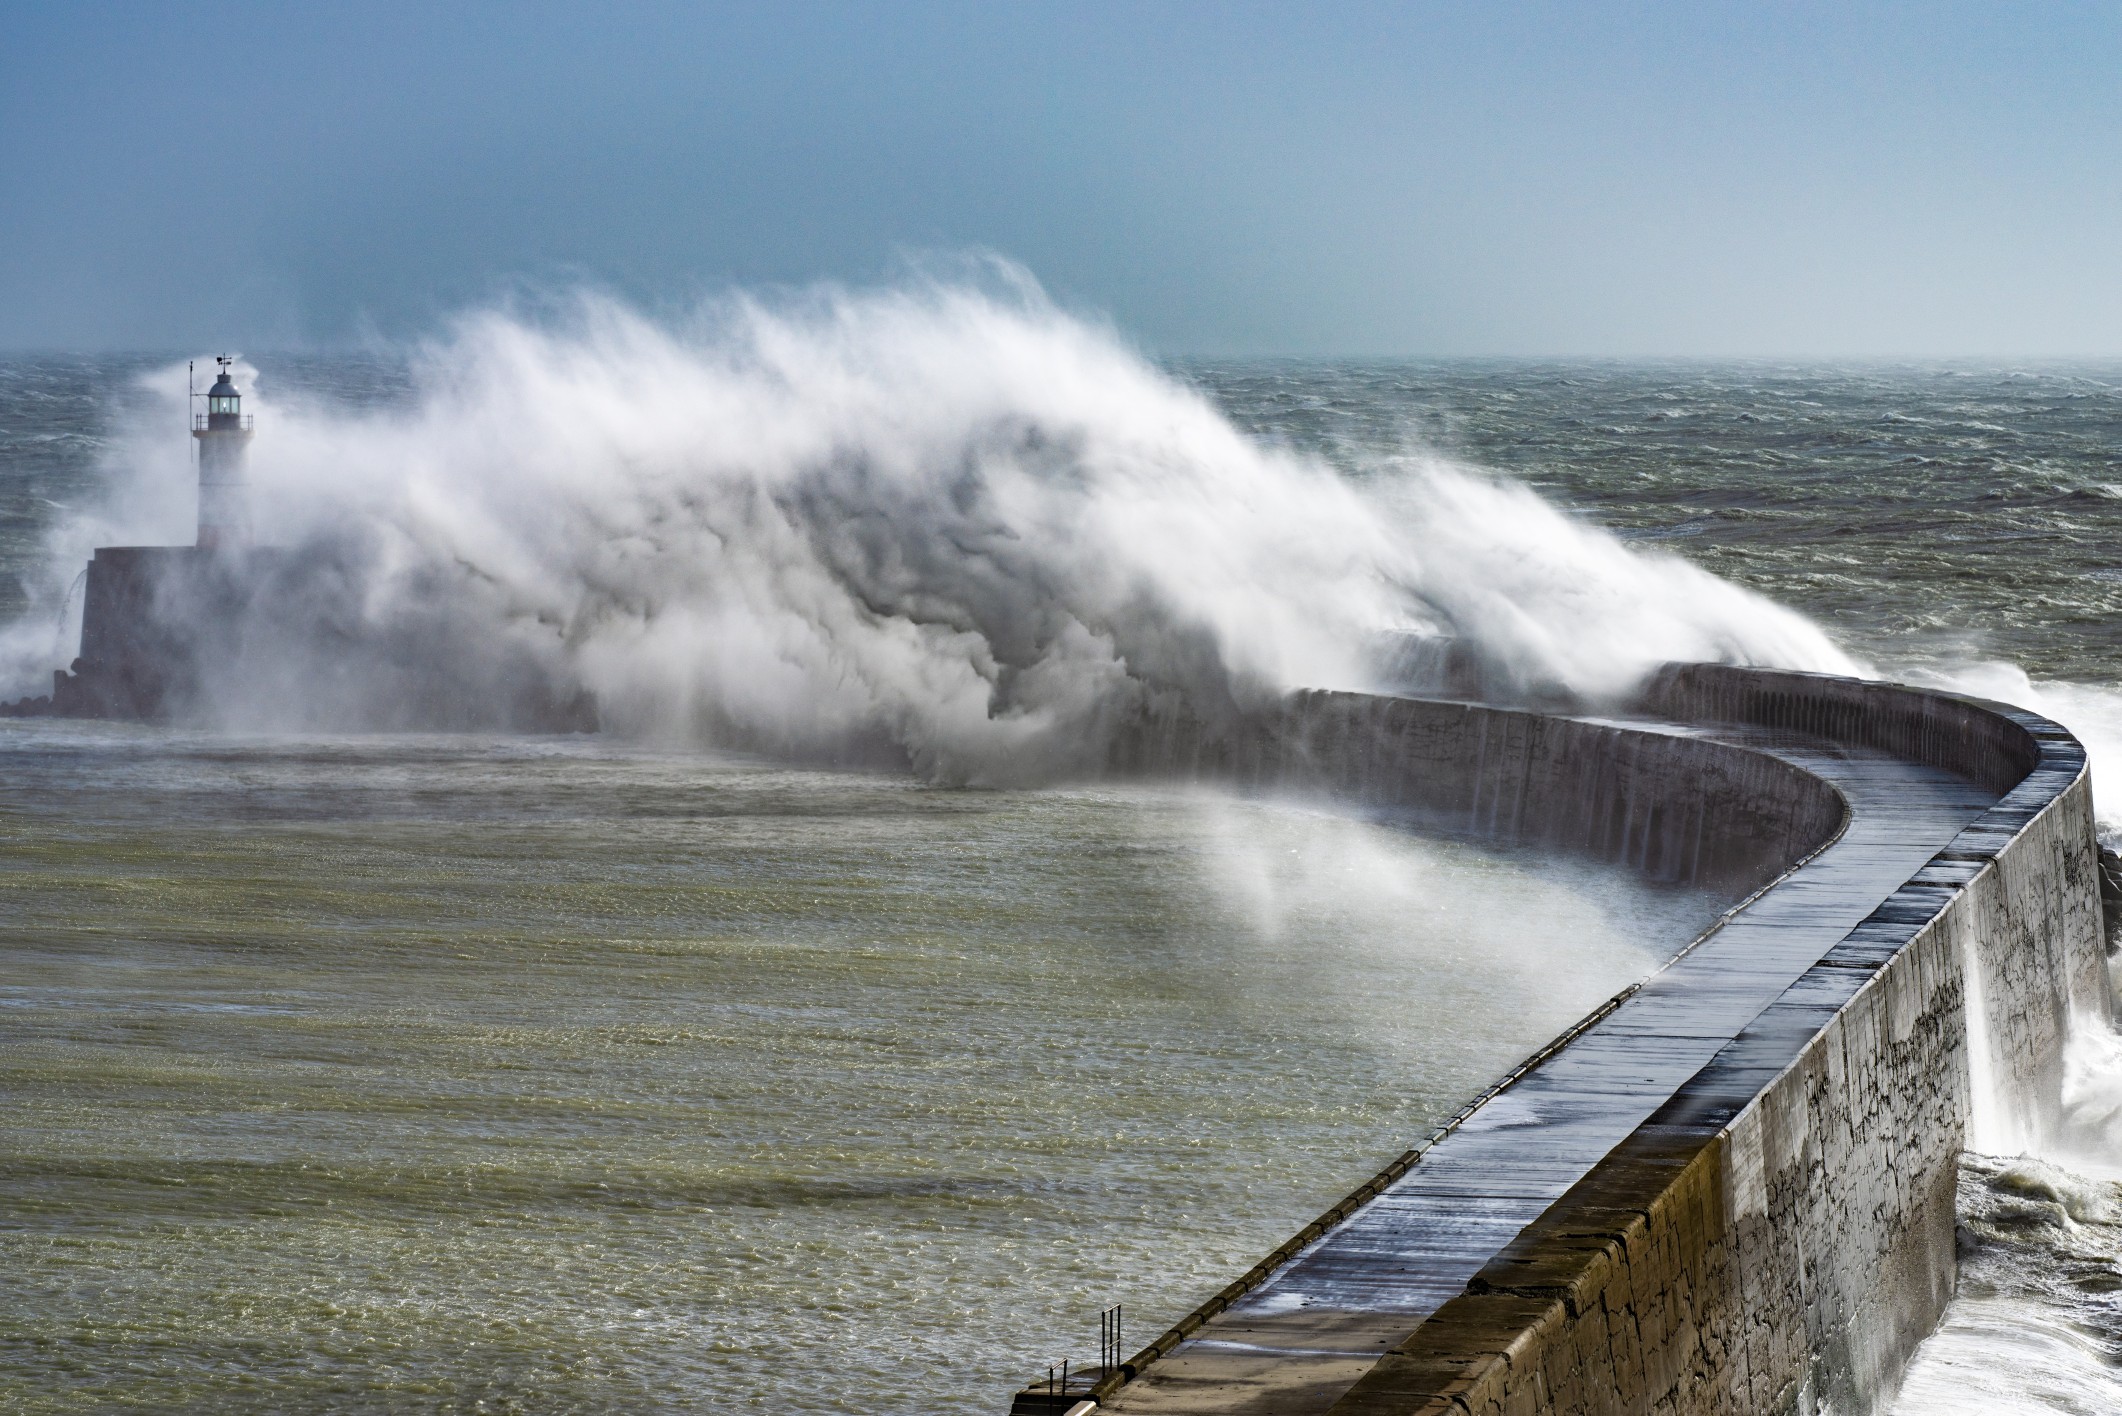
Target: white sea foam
<point>2037,1324</point>
<point>946,523</point>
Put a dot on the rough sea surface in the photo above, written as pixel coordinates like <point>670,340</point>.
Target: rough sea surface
<point>456,1073</point>
<point>1926,514</point>
<point>558,1075</point>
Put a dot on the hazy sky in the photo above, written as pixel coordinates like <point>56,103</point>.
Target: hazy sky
<point>1294,178</point>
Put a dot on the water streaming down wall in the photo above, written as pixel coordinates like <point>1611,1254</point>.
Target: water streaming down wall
<point>1777,1233</point>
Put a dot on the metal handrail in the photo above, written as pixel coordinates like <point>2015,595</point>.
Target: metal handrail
<point>200,424</point>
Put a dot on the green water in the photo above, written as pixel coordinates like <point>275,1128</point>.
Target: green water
<point>552,1075</point>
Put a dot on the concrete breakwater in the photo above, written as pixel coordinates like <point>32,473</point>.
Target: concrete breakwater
<point>1683,809</point>
<point>1731,1188</point>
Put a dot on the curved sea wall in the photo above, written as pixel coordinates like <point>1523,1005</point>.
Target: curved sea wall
<point>2041,959</point>
<point>1678,809</point>
<point>1766,1223</point>
<point>1779,1235</point>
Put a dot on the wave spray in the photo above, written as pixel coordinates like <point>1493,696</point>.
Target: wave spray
<point>944,525</point>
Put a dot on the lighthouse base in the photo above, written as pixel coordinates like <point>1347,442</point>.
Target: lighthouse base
<point>151,617</point>
<point>263,635</point>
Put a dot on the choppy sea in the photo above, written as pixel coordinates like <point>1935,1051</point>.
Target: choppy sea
<point>467,1072</point>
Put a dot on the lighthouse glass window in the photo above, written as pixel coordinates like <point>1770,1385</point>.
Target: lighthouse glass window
<point>222,405</point>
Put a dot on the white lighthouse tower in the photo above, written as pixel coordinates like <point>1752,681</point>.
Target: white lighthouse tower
<point>224,434</point>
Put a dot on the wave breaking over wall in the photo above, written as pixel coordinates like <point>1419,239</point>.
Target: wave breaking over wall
<point>945,525</point>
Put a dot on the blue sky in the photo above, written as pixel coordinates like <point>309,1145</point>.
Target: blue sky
<point>1343,178</point>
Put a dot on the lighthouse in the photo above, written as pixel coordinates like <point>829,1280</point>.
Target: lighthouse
<point>224,434</point>
<point>156,621</point>
<point>169,632</point>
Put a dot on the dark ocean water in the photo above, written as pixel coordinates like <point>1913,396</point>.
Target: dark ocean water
<point>1926,514</point>
<point>336,944</point>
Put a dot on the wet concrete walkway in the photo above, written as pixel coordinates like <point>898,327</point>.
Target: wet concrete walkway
<point>1305,1335</point>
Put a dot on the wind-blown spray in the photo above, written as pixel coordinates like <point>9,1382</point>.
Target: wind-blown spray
<point>944,525</point>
